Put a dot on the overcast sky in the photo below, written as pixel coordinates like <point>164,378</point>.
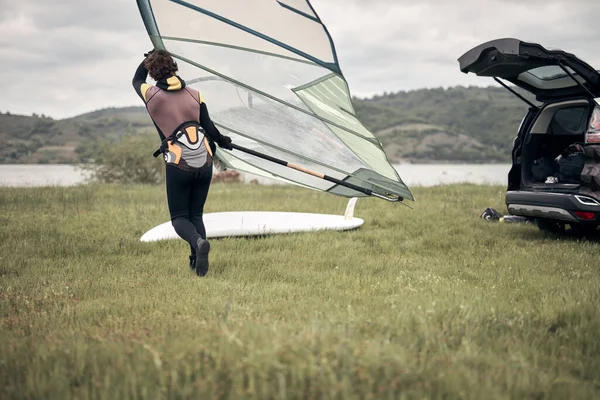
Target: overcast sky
<point>66,57</point>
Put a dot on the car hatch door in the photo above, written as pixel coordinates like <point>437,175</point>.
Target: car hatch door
<point>548,74</point>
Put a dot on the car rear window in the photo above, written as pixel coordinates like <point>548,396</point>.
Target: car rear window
<point>571,120</point>
<point>550,72</point>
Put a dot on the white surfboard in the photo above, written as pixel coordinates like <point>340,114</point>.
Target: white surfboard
<point>255,223</point>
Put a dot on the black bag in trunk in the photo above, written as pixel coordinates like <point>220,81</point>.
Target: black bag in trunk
<point>571,164</point>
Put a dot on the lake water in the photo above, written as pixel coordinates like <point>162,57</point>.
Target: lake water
<point>412,174</point>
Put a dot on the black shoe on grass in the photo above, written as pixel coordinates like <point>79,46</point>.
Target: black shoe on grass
<point>202,249</point>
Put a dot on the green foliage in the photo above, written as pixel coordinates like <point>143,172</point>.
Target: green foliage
<point>127,160</point>
<point>377,117</point>
<point>43,126</point>
<point>429,303</point>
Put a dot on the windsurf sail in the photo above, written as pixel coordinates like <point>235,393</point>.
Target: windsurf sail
<point>270,76</point>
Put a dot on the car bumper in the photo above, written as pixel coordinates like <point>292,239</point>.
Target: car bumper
<point>556,206</point>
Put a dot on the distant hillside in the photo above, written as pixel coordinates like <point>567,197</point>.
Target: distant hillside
<point>429,125</point>
<point>39,139</point>
<point>456,124</point>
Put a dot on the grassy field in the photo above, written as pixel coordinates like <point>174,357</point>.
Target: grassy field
<point>431,302</point>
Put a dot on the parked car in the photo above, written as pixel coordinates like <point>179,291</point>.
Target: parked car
<point>558,136</point>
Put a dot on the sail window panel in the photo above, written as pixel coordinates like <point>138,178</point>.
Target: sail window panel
<point>289,130</point>
<point>280,170</point>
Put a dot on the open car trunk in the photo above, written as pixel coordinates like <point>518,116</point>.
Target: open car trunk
<point>567,88</point>
<point>547,160</point>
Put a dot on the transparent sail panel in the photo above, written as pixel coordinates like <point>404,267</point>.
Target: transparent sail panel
<point>280,170</point>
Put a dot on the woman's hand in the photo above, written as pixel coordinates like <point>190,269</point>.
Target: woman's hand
<point>225,142</point>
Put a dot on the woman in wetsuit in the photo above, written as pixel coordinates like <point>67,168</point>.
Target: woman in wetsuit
<point>180,114</point>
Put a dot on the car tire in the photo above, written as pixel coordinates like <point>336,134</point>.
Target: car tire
<point>550,225</point>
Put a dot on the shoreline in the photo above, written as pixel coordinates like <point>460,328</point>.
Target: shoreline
<point>413,175</point>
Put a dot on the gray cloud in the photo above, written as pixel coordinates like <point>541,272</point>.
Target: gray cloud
<point>406,44</point>
<point>55,14</point>
<point>65,57</point>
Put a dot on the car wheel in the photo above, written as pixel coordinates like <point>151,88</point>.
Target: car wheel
<point>550,225</point>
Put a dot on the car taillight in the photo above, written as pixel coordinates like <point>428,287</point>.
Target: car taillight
<point>585,215</point>
<point>595,121</point>
<point>593,133</point>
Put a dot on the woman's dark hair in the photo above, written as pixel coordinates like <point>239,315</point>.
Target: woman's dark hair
<point>160,65</point>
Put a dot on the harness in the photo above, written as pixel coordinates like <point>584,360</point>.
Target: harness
<point>187,147</point>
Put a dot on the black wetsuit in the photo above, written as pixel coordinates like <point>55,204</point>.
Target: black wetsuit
<point>170,103</point>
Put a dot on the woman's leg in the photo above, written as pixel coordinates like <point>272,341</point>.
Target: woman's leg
<point>198,196</point>
<point>179,185</point>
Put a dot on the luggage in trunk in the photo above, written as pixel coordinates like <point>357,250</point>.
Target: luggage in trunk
<point>570,164</point>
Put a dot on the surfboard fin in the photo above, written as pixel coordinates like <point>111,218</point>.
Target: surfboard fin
<point>349,213</point>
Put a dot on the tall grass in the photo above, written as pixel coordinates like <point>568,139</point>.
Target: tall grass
<point>431,302</point>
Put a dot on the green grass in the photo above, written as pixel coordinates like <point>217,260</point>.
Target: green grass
<point>425,303</point>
